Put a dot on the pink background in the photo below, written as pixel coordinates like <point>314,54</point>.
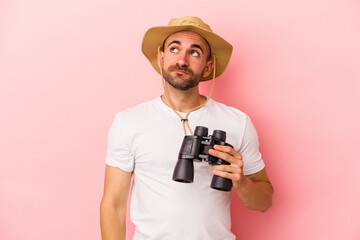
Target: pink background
<point>66,68</point>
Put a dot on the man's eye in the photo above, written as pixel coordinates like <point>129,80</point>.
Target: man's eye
<point>194,53</point>
<point>174,50</point>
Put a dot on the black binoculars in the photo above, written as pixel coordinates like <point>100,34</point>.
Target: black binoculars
<point>196,148</point>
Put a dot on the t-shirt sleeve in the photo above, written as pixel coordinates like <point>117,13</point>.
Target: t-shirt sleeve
<point>253,162</point>
<point>119,152</point>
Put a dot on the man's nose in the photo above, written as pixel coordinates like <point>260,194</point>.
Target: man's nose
<point>182,59</point>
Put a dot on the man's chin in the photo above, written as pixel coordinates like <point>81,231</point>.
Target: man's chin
<point>180,79</point>
<point>182,88</point>
<point>181,82</point>
<point>182,85</point>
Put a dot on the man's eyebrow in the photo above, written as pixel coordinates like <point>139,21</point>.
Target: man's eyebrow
<point>192,45</point>
<point>175,41</point>
<point>197,46</point>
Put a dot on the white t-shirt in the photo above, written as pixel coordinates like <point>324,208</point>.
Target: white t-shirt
<point>146,139</point>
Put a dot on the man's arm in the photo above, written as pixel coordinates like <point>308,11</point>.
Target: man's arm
<point>254,190</point>
<point>113,203</point>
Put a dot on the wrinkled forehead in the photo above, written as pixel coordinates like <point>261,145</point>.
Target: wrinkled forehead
<point>196,38</point>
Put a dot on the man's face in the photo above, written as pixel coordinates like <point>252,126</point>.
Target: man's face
<point>184,60</point>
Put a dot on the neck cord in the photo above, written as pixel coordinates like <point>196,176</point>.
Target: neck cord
<point>185,120</point>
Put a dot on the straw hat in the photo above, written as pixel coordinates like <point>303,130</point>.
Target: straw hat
<point>155,37</point>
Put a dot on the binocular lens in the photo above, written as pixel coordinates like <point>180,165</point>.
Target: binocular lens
<point>220,183</point>
<point>220,135</point>
<point>184,171</point>
<point>201,131</point>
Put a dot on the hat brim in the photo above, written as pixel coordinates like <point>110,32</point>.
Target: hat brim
<point>155,36</point>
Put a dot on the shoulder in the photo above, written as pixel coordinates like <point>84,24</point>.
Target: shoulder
<point>139,111</point>
<point>128,122</point>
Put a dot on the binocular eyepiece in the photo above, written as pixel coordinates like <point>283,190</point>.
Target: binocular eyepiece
<point>196,148</point>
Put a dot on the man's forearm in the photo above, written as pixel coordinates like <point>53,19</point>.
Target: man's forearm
<point>255,195</point>
<point>112,220</point>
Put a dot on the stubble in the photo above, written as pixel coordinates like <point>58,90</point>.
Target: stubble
<point>188,79</point>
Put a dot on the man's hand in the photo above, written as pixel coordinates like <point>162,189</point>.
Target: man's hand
<point>254,190</point>
<point>234,171</point>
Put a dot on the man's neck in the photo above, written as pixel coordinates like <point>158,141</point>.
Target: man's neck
<point>183,101</point>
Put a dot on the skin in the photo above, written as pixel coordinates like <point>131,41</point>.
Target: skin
<point>113,203</point>
<point>180,74</point>
<point>184,60</point>
<point>182,50</point>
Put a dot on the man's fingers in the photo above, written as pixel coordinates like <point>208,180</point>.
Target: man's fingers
<point>222,155</point>
<point>230,173</point>
<point>231,156</point>
<point>224,175</point>
<point>229,150</point>
<point>226,168</point>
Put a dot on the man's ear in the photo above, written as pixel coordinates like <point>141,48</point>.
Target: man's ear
<point>160,57</point>
<point>208,69</point>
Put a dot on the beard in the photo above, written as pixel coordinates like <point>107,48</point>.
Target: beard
<point>183,81</point>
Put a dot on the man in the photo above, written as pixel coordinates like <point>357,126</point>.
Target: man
<point>144,141</point>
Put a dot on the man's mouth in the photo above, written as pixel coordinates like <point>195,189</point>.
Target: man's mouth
<point>180,71</point>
